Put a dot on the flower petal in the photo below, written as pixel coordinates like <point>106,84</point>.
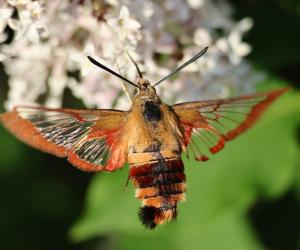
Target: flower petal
<point>124,12</point>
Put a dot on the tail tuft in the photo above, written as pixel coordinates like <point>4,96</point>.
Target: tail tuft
<point>152,216</point>
<point>147,216</point>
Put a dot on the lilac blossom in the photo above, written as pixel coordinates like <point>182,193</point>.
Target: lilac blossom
<point>53,38</point>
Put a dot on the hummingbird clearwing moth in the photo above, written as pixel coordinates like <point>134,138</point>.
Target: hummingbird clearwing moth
<point>150,137</point>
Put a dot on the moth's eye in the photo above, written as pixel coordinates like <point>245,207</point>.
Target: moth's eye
<point>135,91</point>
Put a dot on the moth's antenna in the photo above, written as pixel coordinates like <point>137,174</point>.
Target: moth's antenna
<point>196,57</point>
<point>92,60</point>
<point>135,64</point>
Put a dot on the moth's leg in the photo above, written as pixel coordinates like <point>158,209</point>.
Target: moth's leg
<point>125,89</point>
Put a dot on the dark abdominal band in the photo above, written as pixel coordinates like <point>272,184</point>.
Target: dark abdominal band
<point>160,185</point>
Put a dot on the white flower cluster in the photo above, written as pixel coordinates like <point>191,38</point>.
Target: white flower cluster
<point>51,40</point>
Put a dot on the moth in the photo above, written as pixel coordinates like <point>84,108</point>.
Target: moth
<point>150,137</point>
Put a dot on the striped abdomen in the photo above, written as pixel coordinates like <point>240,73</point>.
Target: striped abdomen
<point>160,185</point>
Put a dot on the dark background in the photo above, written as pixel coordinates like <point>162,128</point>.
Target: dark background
<point>275,38</point>
<point>40,201</point>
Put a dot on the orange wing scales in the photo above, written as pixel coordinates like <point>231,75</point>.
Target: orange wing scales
<point>214,122</point>
<point>75,134</point>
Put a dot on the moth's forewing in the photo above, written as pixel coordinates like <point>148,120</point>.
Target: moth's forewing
<point>214,122</point>
<point>91,139</point>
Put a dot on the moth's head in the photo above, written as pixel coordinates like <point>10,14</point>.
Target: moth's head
<point>145,89</point>
<point>144,84</point>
